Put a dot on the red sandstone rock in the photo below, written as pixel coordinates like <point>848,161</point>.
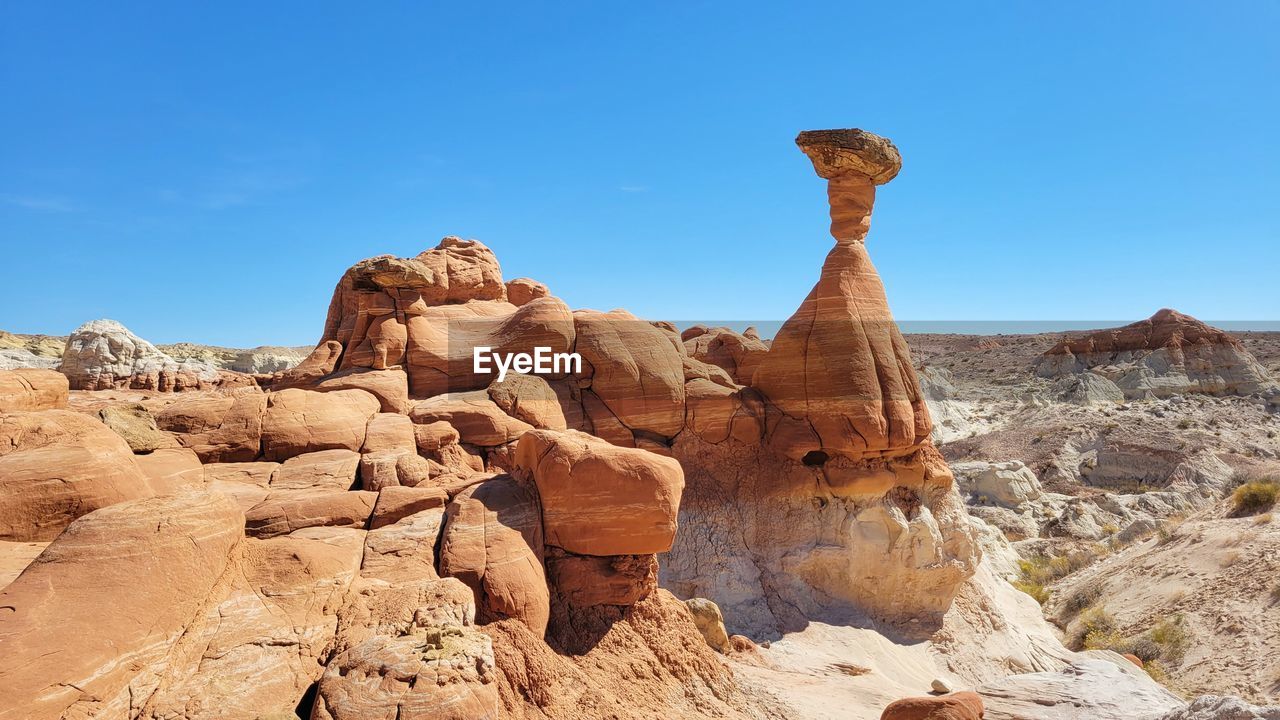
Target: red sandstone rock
<point>493,543</point>
<point>398,502</point>
<point>57,465</point>
<point>219,428</point>
<point>389,431</point>
<point>26,389</point>
<point>325,470</point>
<point>586,581</point>
<point>598,499</point>
<point>529,398</point>
<point>124,581</point>
<point>388,468</point>
<point>391,387</point>
<point>523,290</point>
<point>302,421</point>
<point>635,370</point>
<point>738,355</point>
<point>839,370</point>
<point>172,470</point>
<point>956,706</point>
<point>478,420</point>
<point>283,513</point>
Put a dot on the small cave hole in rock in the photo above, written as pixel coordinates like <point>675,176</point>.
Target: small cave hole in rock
<point>814,458</point>
<point>307,704</point>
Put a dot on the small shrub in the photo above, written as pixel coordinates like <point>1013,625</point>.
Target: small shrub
<point>1262,519</point>
<point>1255,496</point>
<point>1110,529</point>
<point>1172,638</point>
<point>1156,671</point>
<point>1082,599</point>
<point>1035,590</point>
<point>1184,424</point>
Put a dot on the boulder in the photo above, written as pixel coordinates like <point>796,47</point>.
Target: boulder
<point>636,370</point>
<point>125,581</point>
<point>738,355</point>
<point>528,398</point>
<point>301,421</point>
<point>493,542</point>
<point>57,465</point>
<point>956,706</point>
<point>522,291</point>
<point>404,550</point>
<point>396,502</point>
<point>325,470</point>
<point>706,615</point>
<point>219,428</point>
<point>478,420</point>
<point>389,431</point>
<point>387,468</point>
<point>135,424</point>
<point>1008,484</point>
<point>440,672</point>
<point>391,386</point>
<point>25,389</point>
<point>599,499</point>
<point>283,513</point>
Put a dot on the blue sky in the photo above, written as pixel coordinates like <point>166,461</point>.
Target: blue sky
<point>206,173</point>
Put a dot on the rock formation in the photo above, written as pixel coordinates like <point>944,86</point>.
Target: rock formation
<point>1168,353</point>
<point>814,491</point>
<point>103,354</point>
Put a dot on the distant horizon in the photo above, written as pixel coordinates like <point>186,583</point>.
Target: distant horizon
<point>768,328</point>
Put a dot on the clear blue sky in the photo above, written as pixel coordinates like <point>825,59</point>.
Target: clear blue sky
<point>206,173</point>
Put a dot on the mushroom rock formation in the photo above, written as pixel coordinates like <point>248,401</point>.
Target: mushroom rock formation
<point>1166,354</point>
<point>57,465</point>
<point>103,354</point>
<point>815,493</point>
<point>32,389</point>
<point>839,369</point>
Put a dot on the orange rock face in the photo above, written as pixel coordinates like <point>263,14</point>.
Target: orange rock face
<point>57,465</point>
<point>598,499</point>
<point>81,601</point>
<point>32,389</point>
<point>493,543</point>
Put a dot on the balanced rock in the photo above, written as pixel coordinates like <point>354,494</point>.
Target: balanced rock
<point>838,369</point>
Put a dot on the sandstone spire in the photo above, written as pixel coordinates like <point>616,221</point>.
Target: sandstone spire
<point>839,369</point>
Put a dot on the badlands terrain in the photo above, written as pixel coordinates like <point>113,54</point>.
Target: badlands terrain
<point>836,522</point>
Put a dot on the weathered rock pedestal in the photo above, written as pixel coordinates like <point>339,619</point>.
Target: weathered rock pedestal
<point>837,507</point>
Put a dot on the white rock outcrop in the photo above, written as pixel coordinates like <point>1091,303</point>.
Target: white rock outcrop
<point>103,354</point>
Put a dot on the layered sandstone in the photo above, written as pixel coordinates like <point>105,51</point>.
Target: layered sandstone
<point>103,354</point>
<point>1168,353</point>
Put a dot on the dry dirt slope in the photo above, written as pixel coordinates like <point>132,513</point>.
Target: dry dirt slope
<point>1215,578</point>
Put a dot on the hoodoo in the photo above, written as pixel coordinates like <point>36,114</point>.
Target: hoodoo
<point>813,490</point>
